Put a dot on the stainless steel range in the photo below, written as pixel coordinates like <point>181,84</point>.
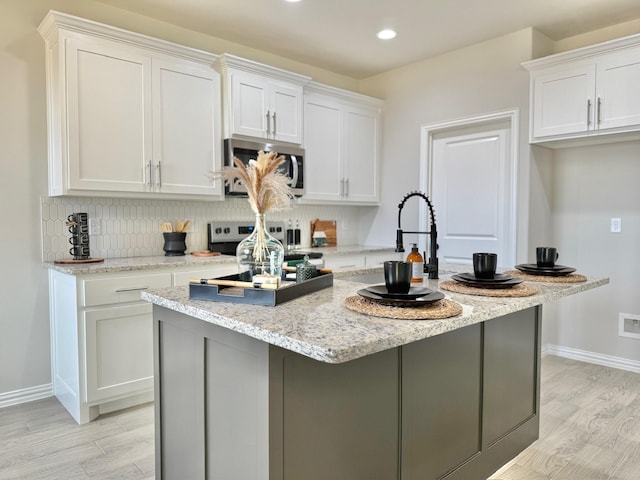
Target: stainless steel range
<point>224,237</point>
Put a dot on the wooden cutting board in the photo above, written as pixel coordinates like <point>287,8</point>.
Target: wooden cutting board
<point>329,228</point>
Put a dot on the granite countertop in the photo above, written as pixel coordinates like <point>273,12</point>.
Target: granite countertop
<point>319,326</point>
<point>111,265</point>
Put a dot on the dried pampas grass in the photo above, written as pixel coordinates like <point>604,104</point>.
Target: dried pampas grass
<point>267,187</point>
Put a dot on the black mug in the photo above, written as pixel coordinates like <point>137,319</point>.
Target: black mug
<point>80,252</point>
<point>77,218</point>
<point>546,256</point>
<point>80,239</point>
<point>485,264</point>
<point>397,276</point>
<point>77,228</point>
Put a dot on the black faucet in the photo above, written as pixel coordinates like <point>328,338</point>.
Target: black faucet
<point>430,268</point>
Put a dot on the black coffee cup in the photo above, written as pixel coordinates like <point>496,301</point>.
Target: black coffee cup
<point>80,252</point>
<point>485,264</point>
<point>77,218</point>
<point>546,256</point>
<point>397,276</point>
<point>79,239</point>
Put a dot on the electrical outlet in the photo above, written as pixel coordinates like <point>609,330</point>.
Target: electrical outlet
<point>94,226</point>
<point>629,325</point>
<point>616,225</point>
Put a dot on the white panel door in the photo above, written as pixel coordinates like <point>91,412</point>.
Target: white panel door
<point>471,194</point>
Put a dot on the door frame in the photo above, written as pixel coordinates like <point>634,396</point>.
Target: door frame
<point>427,133</point>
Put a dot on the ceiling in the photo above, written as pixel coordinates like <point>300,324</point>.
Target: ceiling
<point>340,35</point>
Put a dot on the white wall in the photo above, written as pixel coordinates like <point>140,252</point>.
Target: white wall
<point>24,323</point>
<point>590,185</point>
<point>483,78</point>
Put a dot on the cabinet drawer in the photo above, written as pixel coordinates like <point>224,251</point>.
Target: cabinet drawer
<point>182,278</point>
<point>121,289</point>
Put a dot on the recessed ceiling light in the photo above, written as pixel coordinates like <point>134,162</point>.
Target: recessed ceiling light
<point>386,34</point>
<point>292,1</point>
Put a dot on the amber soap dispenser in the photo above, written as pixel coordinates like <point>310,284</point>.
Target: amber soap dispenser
<point>417,267</point>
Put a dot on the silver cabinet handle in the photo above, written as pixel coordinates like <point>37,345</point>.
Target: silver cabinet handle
<point>268,123</point>
<point>599,109</point>
<point>274,123</point>
<point>150,182</point>
<point>133,289</point>
<point>588,112</point>
<point>159,167</point>
<point>346,182</point>
<point>342,187</point>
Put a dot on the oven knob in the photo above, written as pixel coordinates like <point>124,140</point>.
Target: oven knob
<point>227,230</point>
<point>218,230</point>
<point>272,229</point>
<point>279,229</point>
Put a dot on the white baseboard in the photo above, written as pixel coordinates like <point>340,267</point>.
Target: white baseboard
<point>26,395</point>
<point>592,357</point>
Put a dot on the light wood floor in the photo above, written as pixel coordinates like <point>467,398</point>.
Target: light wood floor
<point>590,430</point>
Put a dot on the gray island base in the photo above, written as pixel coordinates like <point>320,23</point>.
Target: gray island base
<point>309,390</point>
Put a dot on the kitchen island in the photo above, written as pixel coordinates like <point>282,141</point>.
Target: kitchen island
<point>310,390</point>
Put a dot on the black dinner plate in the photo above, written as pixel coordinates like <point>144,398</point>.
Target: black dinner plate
<point>414,292</point>
<point>427,299</point>
<point>498,277</point>
<point>512,282</point>
<point>555,271</point>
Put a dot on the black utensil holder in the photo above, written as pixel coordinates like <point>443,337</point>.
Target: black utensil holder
<point>174,243</point>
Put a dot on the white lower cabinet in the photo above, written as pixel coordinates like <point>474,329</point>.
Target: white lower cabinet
<point>344,262</point>
<point>118,350</point>
<point>102,336</point>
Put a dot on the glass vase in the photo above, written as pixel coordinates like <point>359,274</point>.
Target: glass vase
<point>260,253</point>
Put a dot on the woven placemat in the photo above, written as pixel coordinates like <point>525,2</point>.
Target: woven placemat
<point>571,278</point>
<point>520,290</point>
<point>437,310</point>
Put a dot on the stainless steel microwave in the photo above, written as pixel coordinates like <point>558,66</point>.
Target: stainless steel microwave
<point>244,150</point>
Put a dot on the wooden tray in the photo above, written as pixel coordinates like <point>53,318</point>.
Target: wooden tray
<point>71,261</point>
<point>205,253</point>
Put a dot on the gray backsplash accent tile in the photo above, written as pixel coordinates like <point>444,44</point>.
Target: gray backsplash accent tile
<point>131,227</point>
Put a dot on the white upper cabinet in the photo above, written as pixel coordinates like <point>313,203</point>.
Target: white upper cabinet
<point>261,101</point>
<point>108,116</point>
<point>186,128</point>
<point>590,94</point>
<point>342,147</point>
<point>129,115</point>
